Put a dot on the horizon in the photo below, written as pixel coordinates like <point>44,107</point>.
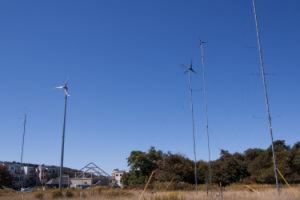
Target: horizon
<point>240,152</point>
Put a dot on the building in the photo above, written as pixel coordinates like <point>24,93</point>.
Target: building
<point>81,182</point>
<point>90,175</point>
<point>17,173</point>
<point>13,168</point>
<point>46,173</point>
<point>54,182</point>
<point>30,175</point>
<point>117,176</point>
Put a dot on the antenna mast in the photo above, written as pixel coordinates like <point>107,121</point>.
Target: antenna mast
<point>263,76</point>
<point>206,111</point>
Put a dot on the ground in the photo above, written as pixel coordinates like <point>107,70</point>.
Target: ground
<point>232,193</point>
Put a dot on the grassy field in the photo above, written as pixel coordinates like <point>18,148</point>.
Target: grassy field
<point>99,194</point>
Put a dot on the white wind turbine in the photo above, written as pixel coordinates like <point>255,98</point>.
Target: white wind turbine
<point>66,92</point>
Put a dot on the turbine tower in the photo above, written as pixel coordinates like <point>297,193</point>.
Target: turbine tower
<point>22,148</point>
<point>190,70</point>
<point>201,43</point>
<point>66,93</point>
<point>264,81</point>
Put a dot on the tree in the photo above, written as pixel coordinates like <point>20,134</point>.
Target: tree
<point>141,164</point>
<point>229,168</point>
<point>254,165</point>
<point>203,173</point>
<point>293,161</point>
<point>175,167</point>
<point>5,177</point>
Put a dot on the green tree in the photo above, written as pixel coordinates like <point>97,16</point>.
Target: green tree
<point>229,168</point>
<point>293,161</point>
<point>5,177</point>
<point>141,164</point>
<point>203,173</point>
<point>175,167</point>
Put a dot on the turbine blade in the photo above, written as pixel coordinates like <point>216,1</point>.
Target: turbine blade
<point>67,94</point>
<point>192,70</point>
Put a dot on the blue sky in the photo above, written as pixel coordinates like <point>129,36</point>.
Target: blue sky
<point>128,92</point>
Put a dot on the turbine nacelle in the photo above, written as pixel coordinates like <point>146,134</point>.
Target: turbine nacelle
<point>201,42</point>
<point>65,88</point>
<point>189,68</point>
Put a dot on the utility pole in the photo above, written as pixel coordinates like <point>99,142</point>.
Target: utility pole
<point>263,77</point>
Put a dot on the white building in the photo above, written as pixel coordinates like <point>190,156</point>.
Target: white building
<point>29,171</point>
<point>46,172</point>
<point>117,176</point>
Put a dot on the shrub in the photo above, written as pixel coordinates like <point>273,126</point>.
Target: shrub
<point>69,194</point>
<point>57,194</point>
<point>39,195</point>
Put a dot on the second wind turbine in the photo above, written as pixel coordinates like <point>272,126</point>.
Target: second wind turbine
<point>190,70</point>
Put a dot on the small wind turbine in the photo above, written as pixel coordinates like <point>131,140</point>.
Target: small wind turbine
<point>65,88</point>
<point>201,43</point>
<point>66,92</point>
<point>190,70</point>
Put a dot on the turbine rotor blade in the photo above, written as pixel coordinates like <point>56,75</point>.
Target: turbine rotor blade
<point>192,70</point>
<point>60,87</point>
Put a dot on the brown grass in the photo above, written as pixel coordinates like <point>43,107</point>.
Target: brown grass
<point>238,193</point>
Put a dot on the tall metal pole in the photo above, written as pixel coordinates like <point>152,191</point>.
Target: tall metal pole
<point>190,71</point>
<point>22,148</point>
<point>63,144</point>
<point>263,76</point>
<point>206,111</point>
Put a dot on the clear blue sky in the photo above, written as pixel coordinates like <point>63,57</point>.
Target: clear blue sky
<point>127,90</point>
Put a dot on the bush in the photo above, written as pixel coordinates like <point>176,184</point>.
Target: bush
<point>57,194</point>
<point>39,195</point>
<point>69,194</point>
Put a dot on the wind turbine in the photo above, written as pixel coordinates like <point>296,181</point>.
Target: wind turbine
<point>66,92</point>
<point>190,70</point>
<point>201,43</point>
<point>264,82</point>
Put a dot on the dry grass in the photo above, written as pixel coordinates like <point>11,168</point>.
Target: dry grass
<point>229,194</point>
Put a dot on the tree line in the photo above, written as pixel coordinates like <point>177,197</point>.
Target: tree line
<point>252,166</point>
